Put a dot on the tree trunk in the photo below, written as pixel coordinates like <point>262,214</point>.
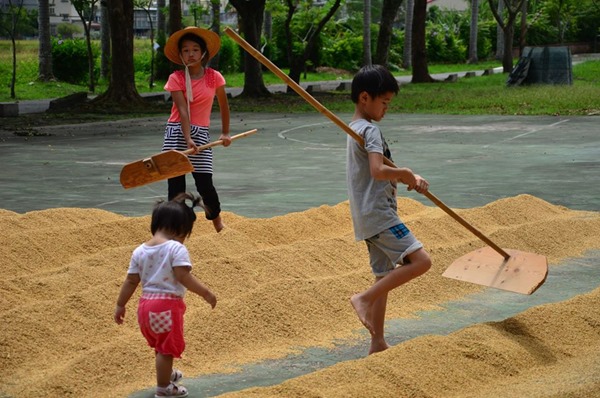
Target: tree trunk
<point>122,93</point>
<point>45,46</point>
<point>250,14</point>
<point>268,26</point>
<point>174,16</point>
<point>215,27</point>
<point>11,29</point>
<point>88,39</point>
<point>500,31</point>
<point>104,40</point>
<point>291,10</point>
<point>152,50</point>
<point>513,7</point>
<point>161,25</point>
<point>473,58</point>
<point>85,10</point>
<point>13,79</point>
<point>163,65</point>
<point>420,72</point>
<point>507,58</point>
<point>523,35</point>
<point>367,60</point>
<point>389,11</point>
<point>408,24</point>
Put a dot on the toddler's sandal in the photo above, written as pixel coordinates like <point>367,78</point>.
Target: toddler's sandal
<point>172,390</point>
<point>176,375</point>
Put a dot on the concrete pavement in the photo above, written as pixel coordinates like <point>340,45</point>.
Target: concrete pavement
<point>297,161</point>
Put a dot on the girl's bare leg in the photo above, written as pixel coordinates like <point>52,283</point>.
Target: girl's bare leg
<point>164,368</point>
<point>218,224</point>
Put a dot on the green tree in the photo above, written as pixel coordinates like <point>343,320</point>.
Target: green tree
<point>408,23</point>
<point>389,12</point>
<point>216,27</point>
<point>563,14</point>
<point>145,5</point>
<point>367,58</point>
<point>512,8</point>
<point>104,40</point>
<point>250,19</point>
<point>122,93</point>
<point>316,19</point>
<point>420,70</point>
<point>473,32</point>
<point>11,16</point>
<point>86,10</point>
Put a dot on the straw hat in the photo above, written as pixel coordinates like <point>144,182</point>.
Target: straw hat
<point>212,40</point>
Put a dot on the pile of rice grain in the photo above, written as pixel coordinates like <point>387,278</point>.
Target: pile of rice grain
<point>282,283</point>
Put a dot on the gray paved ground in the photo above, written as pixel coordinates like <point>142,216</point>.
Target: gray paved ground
<point>296,162</point>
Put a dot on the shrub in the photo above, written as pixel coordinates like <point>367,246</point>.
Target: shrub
<point>67,30</point>
<point>396,54</point>
<point>344,53</point>
<point>229,55</point>
<point>142,59</point>
<point>162,68</point>
<point>444,46</point>
<point>70,60</point>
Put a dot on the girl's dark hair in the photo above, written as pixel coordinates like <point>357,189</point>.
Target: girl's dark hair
<point>175,216</point>
<point>198,40</point>
<point>376,80</point>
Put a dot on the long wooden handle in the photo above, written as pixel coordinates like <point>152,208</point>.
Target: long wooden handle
<point>318,106</point>
<point>219,142</point>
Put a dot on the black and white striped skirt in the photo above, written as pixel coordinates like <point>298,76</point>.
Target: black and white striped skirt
<point>203,161</point>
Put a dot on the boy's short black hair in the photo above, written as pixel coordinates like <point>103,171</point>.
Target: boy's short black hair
<point>375,80</point>
<point>175,216</point>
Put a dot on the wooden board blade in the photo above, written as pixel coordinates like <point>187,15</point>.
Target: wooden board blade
<point>158,167</point>
<point>521,273</point>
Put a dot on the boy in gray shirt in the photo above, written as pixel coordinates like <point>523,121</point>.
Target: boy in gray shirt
<point>396,256</point>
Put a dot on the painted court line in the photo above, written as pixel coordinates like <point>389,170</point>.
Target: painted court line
<point>282,135</point>
<point>528,133</point>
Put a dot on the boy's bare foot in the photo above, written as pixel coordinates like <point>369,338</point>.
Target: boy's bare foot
<point>378,346</point>
<point>218,224</point>
<point>362,310</point>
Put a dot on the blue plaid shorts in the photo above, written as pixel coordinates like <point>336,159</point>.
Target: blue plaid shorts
<point>388,249</point>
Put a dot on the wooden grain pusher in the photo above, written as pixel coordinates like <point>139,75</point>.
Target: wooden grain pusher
<point>164,165</point>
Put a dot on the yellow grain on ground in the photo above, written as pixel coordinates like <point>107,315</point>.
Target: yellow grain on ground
<point>284,283</point>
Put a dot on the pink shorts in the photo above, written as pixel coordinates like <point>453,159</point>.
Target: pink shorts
<point>160,318</point>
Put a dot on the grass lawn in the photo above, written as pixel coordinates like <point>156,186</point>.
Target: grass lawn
<point>468,96</point>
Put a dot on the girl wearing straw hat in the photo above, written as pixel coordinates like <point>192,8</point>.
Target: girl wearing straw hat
<point>193,91</point>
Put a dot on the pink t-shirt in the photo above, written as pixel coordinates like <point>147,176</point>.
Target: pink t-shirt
<point>204,94</point>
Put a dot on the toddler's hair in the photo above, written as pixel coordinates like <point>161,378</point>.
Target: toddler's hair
<point>175,216</point>
<point>376,80</point>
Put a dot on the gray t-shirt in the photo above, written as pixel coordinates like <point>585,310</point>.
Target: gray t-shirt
<point>372,202</point>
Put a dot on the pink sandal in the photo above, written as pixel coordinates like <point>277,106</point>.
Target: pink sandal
<point>172,390</point>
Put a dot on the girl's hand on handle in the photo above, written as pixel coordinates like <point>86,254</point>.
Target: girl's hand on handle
<point>226,138</point>
<point>192,145</point>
